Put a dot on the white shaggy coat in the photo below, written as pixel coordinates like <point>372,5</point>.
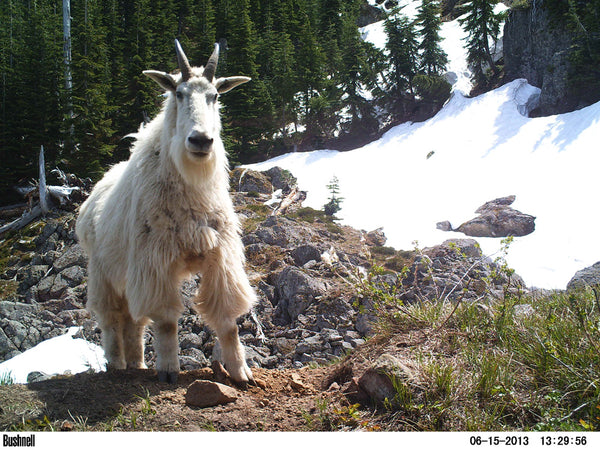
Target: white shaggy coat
<point>161,216</point>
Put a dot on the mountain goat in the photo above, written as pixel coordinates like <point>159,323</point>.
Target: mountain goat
<point>164,215</point>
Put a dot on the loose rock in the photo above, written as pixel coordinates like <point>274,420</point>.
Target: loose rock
<point>203,394</point>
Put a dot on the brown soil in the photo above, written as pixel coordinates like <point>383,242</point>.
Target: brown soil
<point>135,400</point>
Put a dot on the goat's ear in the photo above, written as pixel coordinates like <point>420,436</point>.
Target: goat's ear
<point>227,84</point>
<point>166,81</point>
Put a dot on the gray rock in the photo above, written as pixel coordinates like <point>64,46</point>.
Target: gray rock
<point>296,290</point>
<point>499,223</point>
<point>252,181</point>
<point>310,345</point>
<point>376,382</point>
<point>538,47</point>
<point>306,253</point>
<point>7,346</point>
<point>376,237</point>
<point>74,275</point>
<point>444,226</point>
<point>17,311</point>
<point>497,219</point>
<point>30,275</point>
<point>281,179</point>
<point>36,376</point>
<point>588,277</point>
<point>74,256</point>
<point>190,340</point>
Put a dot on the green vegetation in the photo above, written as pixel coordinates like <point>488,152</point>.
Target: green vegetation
<point>525,362</point>
<point>334,204</point>
<point>310,71</point>
<point>482,24</point>
<point>521,4</point>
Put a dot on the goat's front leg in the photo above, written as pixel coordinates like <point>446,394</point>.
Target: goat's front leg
<point>167,350</point>
<point>233,354</point>
<point>224,295</point>
<point>208,238</point>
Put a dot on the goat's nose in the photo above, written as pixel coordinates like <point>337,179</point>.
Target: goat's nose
<point>199,139</point>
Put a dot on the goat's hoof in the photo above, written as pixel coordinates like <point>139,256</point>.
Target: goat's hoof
<point>167,377</point>
<point>241,385</point>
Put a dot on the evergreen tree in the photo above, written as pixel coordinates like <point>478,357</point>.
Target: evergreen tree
<point>310,61</point>
<point>433,58</point>
<point>482,25</point>
<point>33,89</point>
<point>403,50</point>
<point>91,92</point>
<point>334,204</point>
<point>283,82</point>
<point>196,29</point>
<point>354,72</point>
<point>249,113</point>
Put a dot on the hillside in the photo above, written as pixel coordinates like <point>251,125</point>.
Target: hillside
<point>348,334</point>
<point>444,297</point>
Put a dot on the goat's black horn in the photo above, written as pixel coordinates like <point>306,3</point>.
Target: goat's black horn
<point>184,64</point>
<point>211,65</point>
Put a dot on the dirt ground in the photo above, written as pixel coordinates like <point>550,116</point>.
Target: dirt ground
<point>281,400</point>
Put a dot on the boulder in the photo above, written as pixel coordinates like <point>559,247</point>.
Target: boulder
<point>376,238</point>
<point>295,291</point>
<point>74,256</point>
<point>305,253</point>
<point>379,382</point>
<point>246,180</point>
<point>496,219</point>
<point>281,179</point>
<point>590,276</point>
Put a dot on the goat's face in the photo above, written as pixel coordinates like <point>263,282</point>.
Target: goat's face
<point>196,92</point>
<point>198,119</point>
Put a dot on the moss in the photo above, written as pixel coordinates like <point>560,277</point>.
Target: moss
<point>8,288</point>
<point>381,250</point>
<point>34,229</point>
<point>311,215</point>
<point>521,4</point>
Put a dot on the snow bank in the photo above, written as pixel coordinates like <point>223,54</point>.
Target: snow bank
<point>55,356</point>
<point>483,148</point>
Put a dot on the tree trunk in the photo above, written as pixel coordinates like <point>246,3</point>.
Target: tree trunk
<point>42,183</point>
<point>488,54</point>
<point>67,62</point>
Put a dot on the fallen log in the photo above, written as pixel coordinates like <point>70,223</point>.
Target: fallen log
<point>24,220</point>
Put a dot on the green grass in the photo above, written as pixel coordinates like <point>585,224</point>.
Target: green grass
<point>488,366</point>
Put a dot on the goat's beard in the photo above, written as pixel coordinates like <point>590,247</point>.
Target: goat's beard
<point>197,171</point>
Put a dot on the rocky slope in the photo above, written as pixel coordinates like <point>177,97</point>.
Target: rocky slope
<point>321,287</point>
<point>306,269</point>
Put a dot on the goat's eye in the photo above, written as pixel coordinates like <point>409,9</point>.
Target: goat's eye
<point>215,98</point>
<point>179,95</point>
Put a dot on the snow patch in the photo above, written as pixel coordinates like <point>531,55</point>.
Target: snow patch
<point>483,148</point>
<point>55,356</point>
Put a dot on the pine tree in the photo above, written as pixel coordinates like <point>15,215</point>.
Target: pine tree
<point>334,204</point>
<point>482,25</point>
<point>91,92</point>
<point>433,57</point>
<point>33,91</point>
<point>402,46</point>
<point>354,73</point>
<point>249,112</point>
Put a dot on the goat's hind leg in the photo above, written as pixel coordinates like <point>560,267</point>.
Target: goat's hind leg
<point>133,337</point>
<point>167,350</point>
